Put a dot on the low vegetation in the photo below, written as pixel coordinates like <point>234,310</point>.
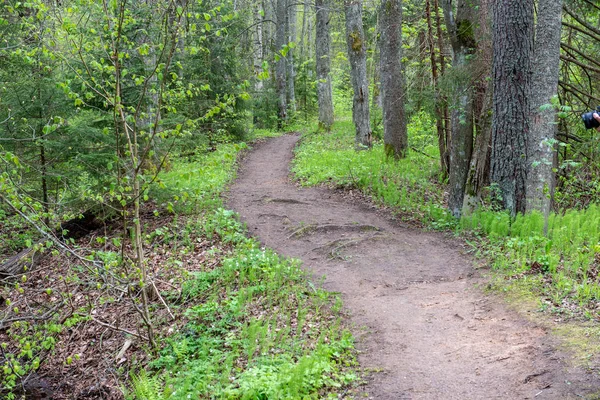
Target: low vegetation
<point>560,268</point>
<point>232,319</point>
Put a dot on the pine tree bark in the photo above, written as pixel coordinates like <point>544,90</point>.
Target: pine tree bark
<point>462,38</point>
<point>543,119</point>
<point>357,56</point>
<point>395,136</point>
<point>513,52</point>
<point>323,53</point>
<point>280,66</point>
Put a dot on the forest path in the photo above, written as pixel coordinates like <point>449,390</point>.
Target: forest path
<point>431,331</point>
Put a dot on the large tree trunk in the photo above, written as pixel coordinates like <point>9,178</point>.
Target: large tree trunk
<point>540,150</point>
<point>513,52</point>
<point>394,122</point>
<point>280,67</point>
<point>357,56</point>
<point>462,37</point>
<point>292,18</point>
<point>323,44</point>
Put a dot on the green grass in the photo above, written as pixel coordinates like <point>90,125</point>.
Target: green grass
<point>411,186</point>
<point>256,328</point>
<point>565,263</point>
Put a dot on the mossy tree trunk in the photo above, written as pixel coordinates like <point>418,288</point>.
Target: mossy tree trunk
<point>394,121</point>
<point>357,55</point>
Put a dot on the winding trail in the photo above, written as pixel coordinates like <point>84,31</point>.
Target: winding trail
<point>429,329</point>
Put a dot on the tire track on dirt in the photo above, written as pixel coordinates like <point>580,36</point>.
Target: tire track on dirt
<point>429,329</point>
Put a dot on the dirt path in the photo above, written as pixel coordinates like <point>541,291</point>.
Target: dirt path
<point>429,329</point>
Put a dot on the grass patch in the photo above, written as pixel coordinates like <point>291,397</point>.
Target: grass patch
<point>254,327</point>
<point>411,186</point>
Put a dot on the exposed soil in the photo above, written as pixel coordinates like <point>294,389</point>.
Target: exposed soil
<point>413,297</point>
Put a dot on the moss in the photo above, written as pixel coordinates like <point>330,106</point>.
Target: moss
<point>391,153</point>
<point>356,40</point>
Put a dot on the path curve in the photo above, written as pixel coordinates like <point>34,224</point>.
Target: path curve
<point>430,331</point>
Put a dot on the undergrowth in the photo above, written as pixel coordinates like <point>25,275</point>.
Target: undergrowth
<point>255,327</point>
<point>411,185</point>
<point>562,268</point>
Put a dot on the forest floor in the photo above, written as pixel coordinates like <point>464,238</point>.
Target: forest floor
<point>426,327</point>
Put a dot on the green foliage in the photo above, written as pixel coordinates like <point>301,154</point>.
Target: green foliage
<point>255,310</point>
<point>409,185</point>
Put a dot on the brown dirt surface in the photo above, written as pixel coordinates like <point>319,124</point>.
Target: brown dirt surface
<point>413,297</point>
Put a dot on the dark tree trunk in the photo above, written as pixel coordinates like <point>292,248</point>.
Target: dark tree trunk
<point>357,56</point>
<point>323,44</point>
<point>394,122</point>
<point>462,37</point>
<point>445,154</point>
<point>434,77</point>
<point>513,52</point>
<point>280,66</point>
<point>540,149</point>
<point>479,173</point>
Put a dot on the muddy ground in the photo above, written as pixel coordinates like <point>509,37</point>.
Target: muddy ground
<point>414,298</point>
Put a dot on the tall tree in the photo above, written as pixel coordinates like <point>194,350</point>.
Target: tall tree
<point>280,66</point>
<point>323,53</point>
<point>258,48</point>
<point>462,37</point>
<point>291,22</point>
<point>435,78</point>
<point>513,52</point>
<point>394,122</point>
<point>357,55</point>
<point>543,115</point>
<point>479,172</point>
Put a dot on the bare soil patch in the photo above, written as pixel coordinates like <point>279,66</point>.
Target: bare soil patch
<point>413,297</point>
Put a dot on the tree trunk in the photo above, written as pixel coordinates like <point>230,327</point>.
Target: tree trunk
<point>292,17</point>
<point>357,56</point>
<point>394,122</point>
<point>462,37</point>
<point>258,49</point>
<point>280,67</point>
<point>445,155</point>
<point>479,173</point>
<point>323,44</point>
<point>543,118</point>
<point>513,52</point>
<point>434,77</point>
